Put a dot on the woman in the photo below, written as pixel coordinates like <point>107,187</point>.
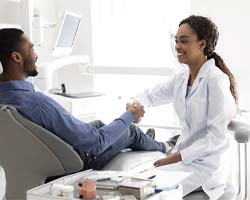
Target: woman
<point>204,97</point>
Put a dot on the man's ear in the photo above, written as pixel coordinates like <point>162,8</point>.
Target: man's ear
<point>16,57</point>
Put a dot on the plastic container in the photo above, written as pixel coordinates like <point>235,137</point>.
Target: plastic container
<point>87,189</point>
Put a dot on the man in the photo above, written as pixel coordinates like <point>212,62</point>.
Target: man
<point>95,142</point>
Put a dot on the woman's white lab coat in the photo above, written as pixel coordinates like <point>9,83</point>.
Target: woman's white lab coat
<point>204,115</point>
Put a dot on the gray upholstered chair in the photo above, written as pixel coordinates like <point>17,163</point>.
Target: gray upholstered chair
<point>241,133</point>
<point>29,154</point>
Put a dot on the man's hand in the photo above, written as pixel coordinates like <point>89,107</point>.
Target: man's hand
<point>137,110</point>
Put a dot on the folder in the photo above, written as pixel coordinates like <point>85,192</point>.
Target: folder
<point>164,179</point>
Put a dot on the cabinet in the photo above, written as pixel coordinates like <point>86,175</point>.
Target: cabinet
<point>84,109</point>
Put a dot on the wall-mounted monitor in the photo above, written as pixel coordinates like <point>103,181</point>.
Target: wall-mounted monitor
<point>67,34</point>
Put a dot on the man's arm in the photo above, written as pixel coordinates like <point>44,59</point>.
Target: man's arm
<point>80,135</point>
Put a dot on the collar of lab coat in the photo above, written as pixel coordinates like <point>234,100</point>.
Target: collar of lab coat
<point>202,73</point>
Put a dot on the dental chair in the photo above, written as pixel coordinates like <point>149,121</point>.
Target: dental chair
<point>30,154</point>
<point>241,133</point>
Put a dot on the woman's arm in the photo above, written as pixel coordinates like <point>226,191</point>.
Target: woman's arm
<point>173,158</point>
<point>158,95</point>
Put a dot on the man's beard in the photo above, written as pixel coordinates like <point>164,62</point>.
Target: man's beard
<point>31,72</point>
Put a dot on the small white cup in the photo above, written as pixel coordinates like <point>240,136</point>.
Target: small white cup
<point>56,189</point>
<point>68,191</point>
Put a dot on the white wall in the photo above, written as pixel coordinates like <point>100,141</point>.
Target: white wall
<point>52,12</point>
<point>8,17</point>
<point>232,18</point>
<point>48,15</point>
<point>83,41</point>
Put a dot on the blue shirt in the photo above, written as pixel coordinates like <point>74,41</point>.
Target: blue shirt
<point>46,112</point>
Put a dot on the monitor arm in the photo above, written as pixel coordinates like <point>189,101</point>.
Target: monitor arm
<point>45,71</point>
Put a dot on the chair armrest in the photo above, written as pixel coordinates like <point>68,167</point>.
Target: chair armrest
<point>240,130</point>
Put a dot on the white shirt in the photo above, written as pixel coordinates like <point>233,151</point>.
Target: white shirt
<point>204,115</point>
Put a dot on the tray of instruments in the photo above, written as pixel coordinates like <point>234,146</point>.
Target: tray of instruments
<point>103,185</point>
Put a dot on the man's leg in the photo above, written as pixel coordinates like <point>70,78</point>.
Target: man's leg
<point>133,138</point>
<point>88,159</point>
<point>140,141</point>
<point>97,123</point>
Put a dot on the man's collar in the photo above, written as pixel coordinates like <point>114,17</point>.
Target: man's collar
<point>16,85</point>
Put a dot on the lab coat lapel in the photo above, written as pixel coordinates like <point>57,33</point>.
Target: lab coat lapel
<point>195,85</point>
<point>202,73</point>
<point>183,90</point>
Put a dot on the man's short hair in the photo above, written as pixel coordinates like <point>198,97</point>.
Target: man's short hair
<point>10,39</point>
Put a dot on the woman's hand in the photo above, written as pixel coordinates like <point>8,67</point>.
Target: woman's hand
<point>173,158</point>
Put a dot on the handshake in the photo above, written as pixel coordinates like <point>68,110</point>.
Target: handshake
<point>136,109</point>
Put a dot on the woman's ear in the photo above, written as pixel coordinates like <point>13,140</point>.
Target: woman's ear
<point>16,57</point>
<point>202,44</point>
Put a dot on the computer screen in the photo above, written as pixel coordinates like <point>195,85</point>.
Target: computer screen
<point>67,34</point>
